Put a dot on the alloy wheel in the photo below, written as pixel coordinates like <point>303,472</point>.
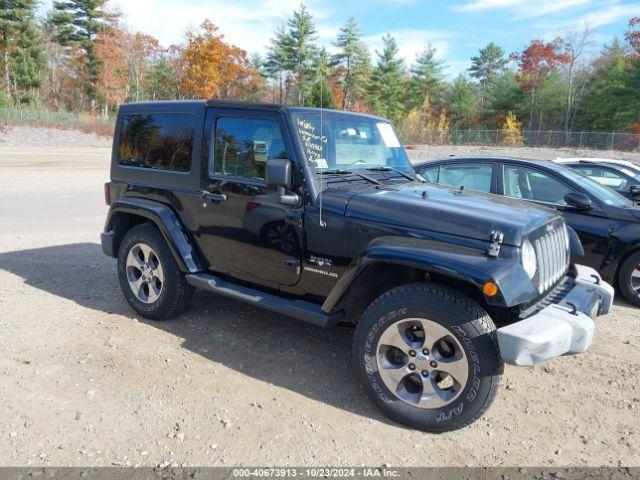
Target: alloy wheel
<point>422,363</point>
<point>144,273</point>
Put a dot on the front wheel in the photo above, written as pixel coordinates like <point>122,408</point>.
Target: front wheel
<point>629,279</point>
<point>428,357</point>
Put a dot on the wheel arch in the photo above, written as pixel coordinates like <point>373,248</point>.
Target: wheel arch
<point>382,267</point>
<point>129,212</point>
<point>620,262</point>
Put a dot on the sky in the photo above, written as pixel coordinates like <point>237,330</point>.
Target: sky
<point>458,29</point>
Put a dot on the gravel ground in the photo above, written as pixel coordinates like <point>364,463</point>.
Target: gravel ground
<point>84,382</point>
<point>428,152</point>
<point>50,137</point>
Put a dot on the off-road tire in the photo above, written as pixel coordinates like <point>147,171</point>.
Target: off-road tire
<point>468,323</point>
<point>624,278</point>
<point>175,294</point>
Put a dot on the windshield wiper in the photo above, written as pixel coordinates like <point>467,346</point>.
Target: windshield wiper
<point>349,172</point>
<point>391,169</point>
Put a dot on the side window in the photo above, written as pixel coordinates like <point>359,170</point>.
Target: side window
<point>472,176</point>
<point>430,174</point>
<point>614,180</point>
<point>157,140</point>
<point>606,177</point>
<point>531,184</point>
<point>243,145</point>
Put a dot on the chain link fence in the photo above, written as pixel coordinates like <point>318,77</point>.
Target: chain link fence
<point>532,138</point>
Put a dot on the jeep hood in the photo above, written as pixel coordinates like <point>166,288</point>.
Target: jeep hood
<point>448,210</point>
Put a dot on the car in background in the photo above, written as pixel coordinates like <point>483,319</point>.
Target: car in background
<point>619,175</point>
<point>607,223</point>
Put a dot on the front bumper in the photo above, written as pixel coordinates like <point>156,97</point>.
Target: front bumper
<point>562,328</point>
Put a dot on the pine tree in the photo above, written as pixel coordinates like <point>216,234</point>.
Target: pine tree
<point>463,106</point>
<point>78,23</point>
<point>321,91</point>
<point>486,66</point>
<point>352,62</point>
<point>21,49</point>
<point>387,85</point>
<point>426,78</point>
<point>300,50</point>
<point>275,65</point>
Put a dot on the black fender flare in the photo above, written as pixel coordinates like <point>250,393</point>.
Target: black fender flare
<point>467,264</point>
<point>168,223</point>
<point>575,245</point>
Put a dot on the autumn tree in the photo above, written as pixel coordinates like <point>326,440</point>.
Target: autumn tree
<point>512,131</point>
<point>141,52</point>
<point>213,68</point>
<point>387,83</point>
<point>352,63</point>
<point>633,35</point>
<point>535,63</point>
<point>78,23</point>
<point>111,49</point>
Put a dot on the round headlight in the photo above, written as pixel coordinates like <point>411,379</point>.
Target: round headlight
<point>529,261</point>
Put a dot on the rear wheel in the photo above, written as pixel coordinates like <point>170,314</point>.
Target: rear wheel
<point>428,357</point>
<point>629,278</point>
<point>149,277</point>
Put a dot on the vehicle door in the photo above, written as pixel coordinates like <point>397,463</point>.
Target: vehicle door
<point>545,188</point>
<point>245,233</point>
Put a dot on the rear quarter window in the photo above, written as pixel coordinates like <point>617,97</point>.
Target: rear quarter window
<point>162,141</point>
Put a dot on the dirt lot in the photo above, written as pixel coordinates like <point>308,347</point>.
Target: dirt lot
<point>84,382</point>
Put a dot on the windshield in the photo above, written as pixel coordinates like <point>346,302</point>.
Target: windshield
<point>604,194</point>
<point>344,141</point>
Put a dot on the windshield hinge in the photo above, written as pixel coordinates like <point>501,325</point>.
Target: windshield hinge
<point>496,238</point>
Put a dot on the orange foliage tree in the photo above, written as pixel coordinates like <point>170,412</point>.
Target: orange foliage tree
<point>215,69</point>
<point>111,47</point>
<point>536,62</point>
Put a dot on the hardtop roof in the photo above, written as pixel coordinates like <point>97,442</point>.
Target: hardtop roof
<point>168,105</point>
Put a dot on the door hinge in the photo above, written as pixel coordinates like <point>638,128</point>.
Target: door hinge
<point>496,238</point>
<point>291,262</point>
<point>294,218</point>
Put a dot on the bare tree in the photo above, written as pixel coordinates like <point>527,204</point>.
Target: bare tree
<point>577,41</point>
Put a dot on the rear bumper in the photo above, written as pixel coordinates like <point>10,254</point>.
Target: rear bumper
<point>108,247</point>
<point>562,328</point>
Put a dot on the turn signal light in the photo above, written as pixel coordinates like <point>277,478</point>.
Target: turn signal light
<point>107,193</point>
<point>490,289</point>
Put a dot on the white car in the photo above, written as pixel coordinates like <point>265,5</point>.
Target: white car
<point>619,175</point>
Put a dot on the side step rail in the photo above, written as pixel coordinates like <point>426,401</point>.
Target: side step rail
<point>299,309</point>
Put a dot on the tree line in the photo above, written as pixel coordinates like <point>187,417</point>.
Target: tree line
<point>80,57</point>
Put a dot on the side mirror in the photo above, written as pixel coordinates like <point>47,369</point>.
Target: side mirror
<point>634,189</point>
<point>578,200</point>
<point>277,173</point>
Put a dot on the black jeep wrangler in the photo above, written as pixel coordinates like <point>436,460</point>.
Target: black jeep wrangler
<point>318,215</point>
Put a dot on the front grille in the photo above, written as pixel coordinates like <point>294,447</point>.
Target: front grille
<point>552,251</point>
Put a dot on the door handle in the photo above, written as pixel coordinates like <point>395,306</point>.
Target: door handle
<point>214,197</point>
